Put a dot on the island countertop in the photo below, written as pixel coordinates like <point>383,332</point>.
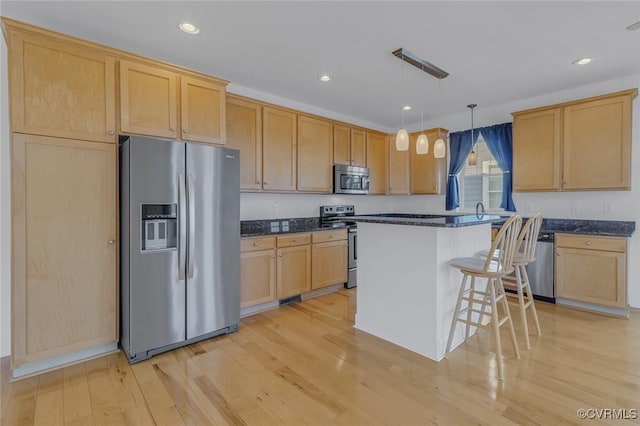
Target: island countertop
<point>442,221</point>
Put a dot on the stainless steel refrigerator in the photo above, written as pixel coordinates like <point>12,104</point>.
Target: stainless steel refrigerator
<point>180,244</point>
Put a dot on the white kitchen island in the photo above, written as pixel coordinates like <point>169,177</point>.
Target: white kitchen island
<point>407,290</point>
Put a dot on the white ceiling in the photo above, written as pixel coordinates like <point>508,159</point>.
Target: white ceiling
<point>495,52</point>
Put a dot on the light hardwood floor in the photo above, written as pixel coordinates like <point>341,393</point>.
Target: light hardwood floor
<point>305,364</point>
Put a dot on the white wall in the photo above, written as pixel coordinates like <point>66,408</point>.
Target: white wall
<point>5,210</point>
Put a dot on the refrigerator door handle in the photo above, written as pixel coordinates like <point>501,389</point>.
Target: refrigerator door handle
<point>192,225</point>
<point>182,223</point>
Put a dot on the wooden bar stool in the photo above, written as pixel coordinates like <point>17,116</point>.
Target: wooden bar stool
<point>526,253</point>
<point>493,268</point>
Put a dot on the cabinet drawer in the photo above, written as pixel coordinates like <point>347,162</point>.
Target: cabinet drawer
<point>255,244</point>
<point>324,236</point>
<point>293,240</point>
<point>590,242</point>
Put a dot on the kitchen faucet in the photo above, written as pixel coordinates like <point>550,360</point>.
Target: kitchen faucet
<point>481,207</point>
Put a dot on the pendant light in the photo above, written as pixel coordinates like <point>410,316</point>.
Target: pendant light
<point>402,137</point>
<point>422,144</point>
<point>439,147</point>
<point>473,158</point>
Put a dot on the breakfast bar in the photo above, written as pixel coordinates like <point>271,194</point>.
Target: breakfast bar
<point>407,290</point>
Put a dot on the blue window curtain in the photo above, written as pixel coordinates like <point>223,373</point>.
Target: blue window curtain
<point>500,143</point>
<point>460,146</point>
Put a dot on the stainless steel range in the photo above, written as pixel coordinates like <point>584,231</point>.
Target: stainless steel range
<point>339,216</point>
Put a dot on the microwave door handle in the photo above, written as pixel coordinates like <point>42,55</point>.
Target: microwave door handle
<point>192,226</point>
<point>182,231</point>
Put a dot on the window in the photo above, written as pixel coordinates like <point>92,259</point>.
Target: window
<point>482,182</point>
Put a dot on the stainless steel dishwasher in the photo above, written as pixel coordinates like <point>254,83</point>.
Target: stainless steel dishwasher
<point>541,271</point>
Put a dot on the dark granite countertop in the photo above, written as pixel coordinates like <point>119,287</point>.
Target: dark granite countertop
<point>256,228</point>
<point>611,228</point>
<point>443,221</point>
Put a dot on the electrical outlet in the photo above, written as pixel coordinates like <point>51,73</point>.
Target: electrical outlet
<point>276,207</point>
<point>608,208</point>
<point>575,208</point>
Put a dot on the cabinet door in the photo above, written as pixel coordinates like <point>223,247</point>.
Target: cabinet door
<point>591,276</point>
<point>341,144</point>
<point>202,107</point>
<point>65,246</point>
<point>61,90</point>
<point>257,277</point>
<point>427,172</point>
<point>293,271</point>
<point>597,144</point>
<point>377,162</point>
<point>398,176</point>
<point>315,155</point>
<point>536,150</point>
<point>244,132</point>
<point>279,150</point>
<point>148,101</point>
<point>358,148</point>
<point>329,263</point>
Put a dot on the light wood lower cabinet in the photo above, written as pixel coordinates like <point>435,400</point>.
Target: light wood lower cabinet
<point>257,277</point>
<point>293,271</point>
<point>592,269</point>
<point>329,258</point>
<point>64,209</point>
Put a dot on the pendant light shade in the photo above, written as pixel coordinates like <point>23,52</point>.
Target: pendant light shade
<point>473,158</point>
<point>439,148</point>
<point>402,140</point>
<point>422,145</point>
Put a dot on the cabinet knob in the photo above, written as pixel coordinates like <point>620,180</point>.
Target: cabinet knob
<point>273,256</point>
<point>185,130</point>
<point>295,240</point>
<point>255,244</point>
<point>557,254</point>
<point>588,243</point>
<point>111,242</point>
<point>111,132</point>
<point>265,183</point>
<point>280,255</point>
<point>330,236</point>
<point>172,129</point>
<point>257,182</point>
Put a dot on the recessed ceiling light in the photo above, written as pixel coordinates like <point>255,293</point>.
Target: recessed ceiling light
<point>634,27</point>
<point>189,28</point>
<point>324,78</point>
<point>582,61</point>
<point>406,107</point>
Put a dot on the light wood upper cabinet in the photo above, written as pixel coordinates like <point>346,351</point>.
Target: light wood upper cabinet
<point>202,106</point>
<point>358,148</point>
<point>537,148</point>
<point>579,145</point>
<point>591,269</point>
<point>428,174</point>
<point>65,235</point>
<point>244,132</point>
<point>341,144</point>
<point>279,149</point>
<point>60,89</point>
<point>148,100</point>
<point>315,155</point>
<point>377,163</point>
<point>398,175</point>
<point>597,144</point>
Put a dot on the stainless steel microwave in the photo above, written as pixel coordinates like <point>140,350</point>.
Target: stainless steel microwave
<point>350,179</point>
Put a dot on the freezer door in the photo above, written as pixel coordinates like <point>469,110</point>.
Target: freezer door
<point>213,265</point>
<point>153,285</point>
